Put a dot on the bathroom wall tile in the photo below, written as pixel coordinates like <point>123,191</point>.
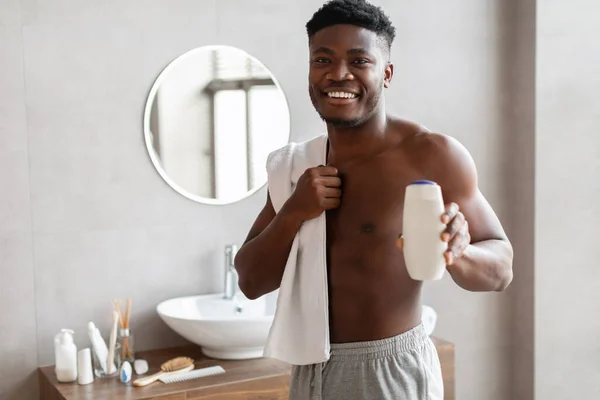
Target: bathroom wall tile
<point>18,346</point>
<point>484,317</point>
<point>556,19</point>
<point>86,88</point>
<point>492,366</point>
<point>15,213</point>
<point>78,275</point>
<point>279,18</point>
<point>567,277</point>
<point>238,218</point>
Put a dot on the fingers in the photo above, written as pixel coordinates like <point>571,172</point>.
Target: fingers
<point>332,192</point>
<point>450,212</point>
<point>449,257</point>
<point>451,228</point>
<point>458,244</point>
<point>324,170</point>
<point>330,203</point>
<point>456,233</point>
<point>329,181</point>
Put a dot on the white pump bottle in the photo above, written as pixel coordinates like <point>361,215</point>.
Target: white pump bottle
<point>65,353</point>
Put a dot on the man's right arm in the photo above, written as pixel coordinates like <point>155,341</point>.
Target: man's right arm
<point>261,260</point>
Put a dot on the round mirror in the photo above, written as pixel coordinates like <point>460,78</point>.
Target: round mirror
<point>212,117</point>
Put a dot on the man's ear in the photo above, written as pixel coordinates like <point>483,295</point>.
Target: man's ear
<point>388,74</point>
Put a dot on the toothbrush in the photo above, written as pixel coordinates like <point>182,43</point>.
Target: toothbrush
<point>113,342</point>
<point>195,374</point>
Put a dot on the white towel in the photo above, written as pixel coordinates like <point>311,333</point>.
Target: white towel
<point>428,319</point>
<point>299,334</point>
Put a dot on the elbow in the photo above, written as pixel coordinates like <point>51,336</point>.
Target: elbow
<point>245,282</point>
<point>253,288</point>
<point>248,289</point>
<point>252,281</point>
<point>504,280</point>
<point>505,276</point>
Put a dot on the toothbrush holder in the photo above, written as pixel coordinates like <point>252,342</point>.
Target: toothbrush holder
<point>126,341</point>
<point>117,361</point>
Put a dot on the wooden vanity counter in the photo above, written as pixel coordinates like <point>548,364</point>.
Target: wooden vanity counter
<point>243,380</point>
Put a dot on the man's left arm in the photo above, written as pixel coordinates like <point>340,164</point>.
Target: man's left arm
<point>479,256</point>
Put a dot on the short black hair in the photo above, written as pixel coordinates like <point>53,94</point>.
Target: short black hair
<point>353,12</point>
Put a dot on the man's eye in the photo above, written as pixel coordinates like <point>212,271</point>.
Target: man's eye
<point>361,61</point>
<point>321,60</point>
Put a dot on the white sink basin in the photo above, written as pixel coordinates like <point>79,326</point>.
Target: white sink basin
<point>225,329</point>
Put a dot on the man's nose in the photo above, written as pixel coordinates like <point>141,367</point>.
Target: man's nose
<point>340,72</point>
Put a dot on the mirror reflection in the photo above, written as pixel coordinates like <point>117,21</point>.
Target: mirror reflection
<point>212,117</point>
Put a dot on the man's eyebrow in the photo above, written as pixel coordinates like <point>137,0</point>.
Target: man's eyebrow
<point>360,50</point>
<point>325,50</point>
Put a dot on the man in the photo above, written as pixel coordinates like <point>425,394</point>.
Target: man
<point>378,347</point>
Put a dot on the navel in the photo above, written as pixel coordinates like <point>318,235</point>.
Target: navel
<point>367,228</point>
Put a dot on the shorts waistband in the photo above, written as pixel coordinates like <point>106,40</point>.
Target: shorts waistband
<point>375,349</point>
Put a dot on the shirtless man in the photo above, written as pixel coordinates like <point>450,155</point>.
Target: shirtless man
<point>372,156</point>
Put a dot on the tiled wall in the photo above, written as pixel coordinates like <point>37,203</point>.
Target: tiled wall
<point>567,221</point>
<point>84,217</point>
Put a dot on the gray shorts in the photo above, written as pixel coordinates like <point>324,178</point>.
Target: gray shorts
<point>405,366</point>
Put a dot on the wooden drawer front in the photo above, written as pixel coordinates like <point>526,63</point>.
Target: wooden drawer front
<point>273,388</point>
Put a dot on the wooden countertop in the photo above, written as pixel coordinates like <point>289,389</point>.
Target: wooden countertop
<point>244,379</point>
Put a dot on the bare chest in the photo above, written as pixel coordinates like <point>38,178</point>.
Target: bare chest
<point>363,259</point>
<point>372,202</point>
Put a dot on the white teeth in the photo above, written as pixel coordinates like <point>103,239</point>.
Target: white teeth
<point>341,95</point>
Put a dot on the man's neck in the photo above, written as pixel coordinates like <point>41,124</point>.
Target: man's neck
<point>348,143</point>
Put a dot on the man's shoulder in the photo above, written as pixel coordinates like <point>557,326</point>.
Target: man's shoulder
<point>439,147</point>
<point>419,138</point>
<point>444,158</point>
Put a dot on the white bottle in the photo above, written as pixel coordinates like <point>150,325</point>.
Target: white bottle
<point>422,228</point>
<point>66,356</point>
<point>85,375</point>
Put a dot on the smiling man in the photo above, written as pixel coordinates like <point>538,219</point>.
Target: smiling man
<point>379,349</point>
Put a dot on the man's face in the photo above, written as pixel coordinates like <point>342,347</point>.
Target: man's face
<point>348,70</point>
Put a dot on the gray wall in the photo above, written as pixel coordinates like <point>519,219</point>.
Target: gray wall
<point>567,174</point>
<point>84,217</point>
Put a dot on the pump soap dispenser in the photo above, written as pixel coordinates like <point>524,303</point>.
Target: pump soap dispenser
<point>65,352</point>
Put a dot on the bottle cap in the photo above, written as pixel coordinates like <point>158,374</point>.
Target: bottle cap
<point>423,182</point>
<point>66,336</point>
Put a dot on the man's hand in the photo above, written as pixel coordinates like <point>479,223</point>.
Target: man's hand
<point>456,233</point>
<point>317,190</point>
